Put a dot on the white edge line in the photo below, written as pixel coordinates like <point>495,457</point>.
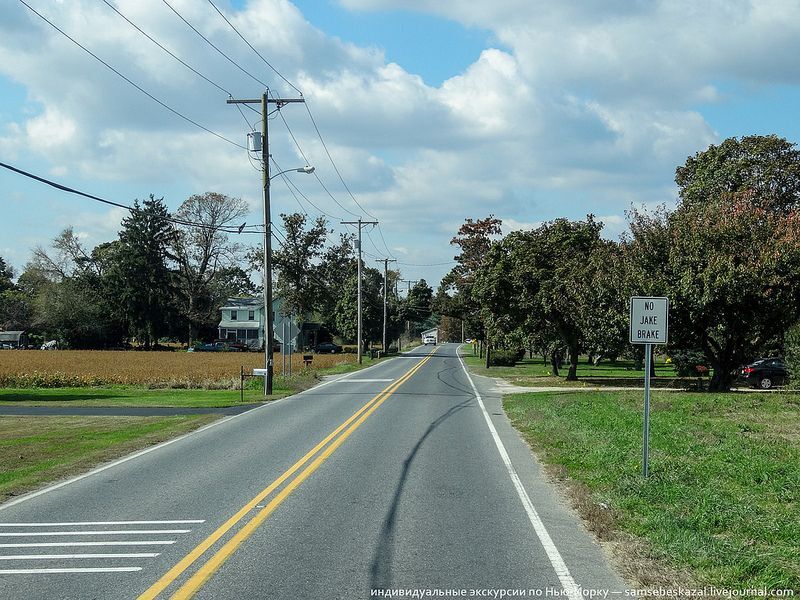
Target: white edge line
<point>556,560</point>
<point>136,455</point>
<point>84,570</point>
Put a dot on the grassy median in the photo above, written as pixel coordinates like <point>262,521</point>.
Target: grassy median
<point>38,450</point>
<point>722,499</point>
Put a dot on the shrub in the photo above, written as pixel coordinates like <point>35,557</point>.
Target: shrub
<point>503,358</point>
<point>687,362</point>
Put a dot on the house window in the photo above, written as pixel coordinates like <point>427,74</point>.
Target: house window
<point>251,315</point>
<point>234,315</point>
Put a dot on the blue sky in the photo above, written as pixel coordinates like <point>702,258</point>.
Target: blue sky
<point>433,112</point>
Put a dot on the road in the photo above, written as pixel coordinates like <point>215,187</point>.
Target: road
<point>403,476</point>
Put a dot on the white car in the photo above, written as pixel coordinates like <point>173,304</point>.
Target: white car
<point>429,339</point>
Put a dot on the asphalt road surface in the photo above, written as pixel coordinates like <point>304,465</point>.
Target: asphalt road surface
<point>401,480</point>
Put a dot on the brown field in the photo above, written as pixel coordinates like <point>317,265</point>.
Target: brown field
<point>72,368</point>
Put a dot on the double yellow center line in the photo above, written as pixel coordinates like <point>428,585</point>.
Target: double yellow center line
<point>212,565</point>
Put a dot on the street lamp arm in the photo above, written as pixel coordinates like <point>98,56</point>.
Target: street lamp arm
<point>307,170</point>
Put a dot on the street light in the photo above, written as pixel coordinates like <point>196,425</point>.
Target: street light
<point>307,170</point>
<point>268,337</point>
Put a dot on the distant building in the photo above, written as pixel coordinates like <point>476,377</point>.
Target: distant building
<point>242,320</point>
<point>13,339</point>
<point>434,333</point>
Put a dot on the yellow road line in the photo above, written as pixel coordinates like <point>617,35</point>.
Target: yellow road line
<point>170,576</point>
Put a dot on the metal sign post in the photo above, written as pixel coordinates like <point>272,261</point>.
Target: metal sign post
<point>649,325</point>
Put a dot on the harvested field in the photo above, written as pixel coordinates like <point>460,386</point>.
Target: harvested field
<point>80,368</point>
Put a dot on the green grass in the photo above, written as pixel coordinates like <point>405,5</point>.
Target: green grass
<point>722,499</point>
<point>537,373</point>
<point>38,450</point>
<point>126,396</point>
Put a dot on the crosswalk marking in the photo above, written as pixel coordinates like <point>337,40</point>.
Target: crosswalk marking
<point>70,544</point>
<point>67,570</point>
<point>118,532</point>
<point>97,523</point>
<point>79,556</point>
<point>56,554</point>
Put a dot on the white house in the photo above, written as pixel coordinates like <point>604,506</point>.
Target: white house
<point>242,320</point>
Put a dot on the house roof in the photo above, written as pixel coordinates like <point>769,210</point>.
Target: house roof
<point>434,330</point>
<point>243,303</point>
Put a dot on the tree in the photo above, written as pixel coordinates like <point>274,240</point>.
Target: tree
<point>296,261</point>
<point>546,281</point>
<point>335,267</point>
<point>371,302</point>
<point>208,261</point>
<point>416,308</point>
<point>766,167</point>
<point>15,309</point>
<point>732,274</point>
<point>144,284</point>
<point>474,238</point>
<point>6,276</point>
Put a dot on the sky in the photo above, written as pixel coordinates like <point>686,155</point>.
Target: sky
<point>431,112</point>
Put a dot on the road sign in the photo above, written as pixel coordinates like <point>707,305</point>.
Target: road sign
<point>649,320</point>
<point>649,325</point>
<point>289,333</point>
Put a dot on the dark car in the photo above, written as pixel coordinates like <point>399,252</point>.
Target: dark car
<point>327,348</point>
<point>765,373</point>
<point>215,347</point>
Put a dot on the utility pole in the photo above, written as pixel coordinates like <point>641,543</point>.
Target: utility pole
<point>360,224</point>
<point>385,262</point>
<point>408,291</point>
<point>265,101</point>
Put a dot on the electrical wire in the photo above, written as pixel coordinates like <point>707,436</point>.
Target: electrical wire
<point>210,43</point>
<point>232,26</point>
<point>132,209</point>
<point>118,73</point>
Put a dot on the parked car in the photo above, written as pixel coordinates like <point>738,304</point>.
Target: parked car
<point>765,373</point>
<point>327,348</point>
<point>214,347</point>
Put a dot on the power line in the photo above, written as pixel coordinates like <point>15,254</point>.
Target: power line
<point>64,188</point>
<point>210,43</point>
<point>303,154</point>
<point>138,87</point>
<point>313,122</point>
<point>232,26</point>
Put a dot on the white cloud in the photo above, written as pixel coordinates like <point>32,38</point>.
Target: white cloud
<point>587,107</point>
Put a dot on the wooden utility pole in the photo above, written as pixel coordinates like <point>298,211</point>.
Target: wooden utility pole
<point>360,224</point>
<point>265,101</point>
<point>385,262</point>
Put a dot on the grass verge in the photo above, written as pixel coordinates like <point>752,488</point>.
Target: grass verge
<point>721,503</point>
<point>38,450</point>
<point>536,373</point>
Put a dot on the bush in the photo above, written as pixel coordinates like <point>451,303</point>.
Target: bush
<point>687,362</point>
<point>503,358</point>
